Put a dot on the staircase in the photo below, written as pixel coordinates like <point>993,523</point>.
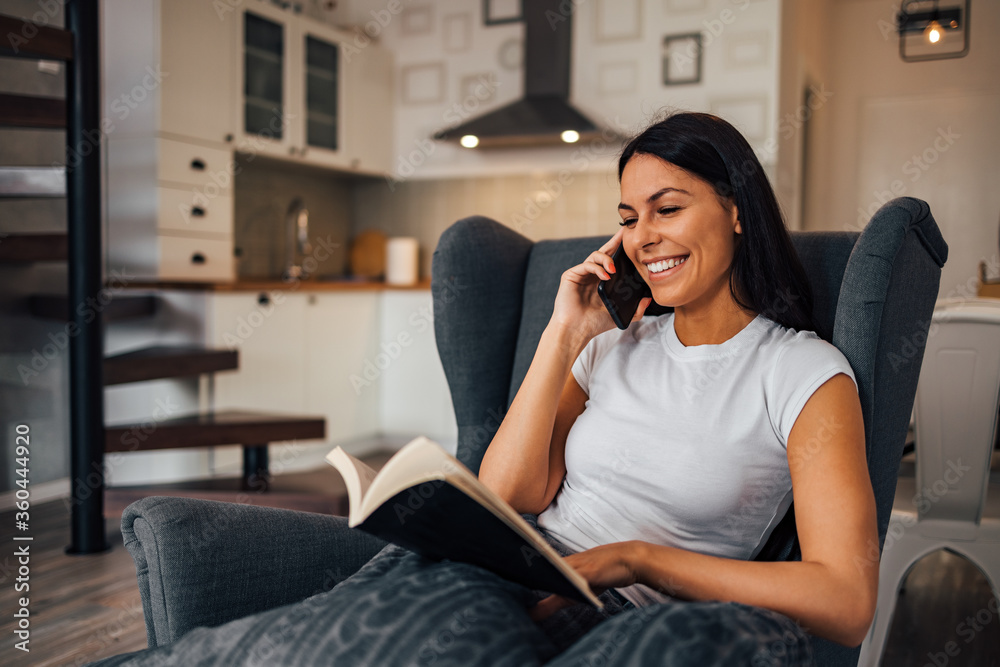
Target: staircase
<point>80,248</point>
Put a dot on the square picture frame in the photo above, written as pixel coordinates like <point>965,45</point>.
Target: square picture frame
<point>682,59</point>
<point>500,12</point>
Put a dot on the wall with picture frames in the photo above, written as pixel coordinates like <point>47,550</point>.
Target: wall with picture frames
<point>456,59</point>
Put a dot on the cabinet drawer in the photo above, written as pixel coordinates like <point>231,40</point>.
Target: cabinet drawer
<point>192,211</point>
<point>197,260</point>
<point>182,162</point>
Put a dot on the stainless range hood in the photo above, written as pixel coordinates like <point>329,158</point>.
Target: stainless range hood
<point>544,113</point>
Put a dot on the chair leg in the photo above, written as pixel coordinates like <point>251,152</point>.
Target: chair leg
<point>256,476</point>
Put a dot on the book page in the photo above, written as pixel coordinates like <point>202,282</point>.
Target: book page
<point>358,477</point>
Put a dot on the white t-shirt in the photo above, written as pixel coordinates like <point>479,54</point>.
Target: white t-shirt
<point>685,446</point>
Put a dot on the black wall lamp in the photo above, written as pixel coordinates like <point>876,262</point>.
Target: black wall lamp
<point>928,31</point>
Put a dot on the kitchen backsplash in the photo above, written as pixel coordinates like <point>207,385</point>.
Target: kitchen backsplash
<point>540,206</point>
<point>264,189</point>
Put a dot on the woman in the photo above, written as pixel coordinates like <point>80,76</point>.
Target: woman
<point>660,458</point>
<point>710,418</point>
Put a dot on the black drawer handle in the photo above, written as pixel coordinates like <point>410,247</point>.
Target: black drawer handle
<point>198,211</point>
<point>198,164</point>
<point>198,258</point>
<point>263,299</point>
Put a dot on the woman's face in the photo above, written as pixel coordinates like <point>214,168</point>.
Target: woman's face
<point>671,216</point>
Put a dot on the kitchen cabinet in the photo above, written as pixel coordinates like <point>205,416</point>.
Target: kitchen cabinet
<point>310,92</point>
<point>365,360</point>
<point>341,331</point>
<point>189,82</point>
<point>297,353</point>
<point>168,118</point>
<point>168,69</point>
<point>267,329</point>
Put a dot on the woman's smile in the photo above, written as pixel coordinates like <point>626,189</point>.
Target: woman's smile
<point>662,269</point>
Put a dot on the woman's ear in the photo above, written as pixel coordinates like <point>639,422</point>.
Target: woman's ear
<point>736,220</point>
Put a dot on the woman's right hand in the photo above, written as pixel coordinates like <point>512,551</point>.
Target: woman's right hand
<point>578,306</point>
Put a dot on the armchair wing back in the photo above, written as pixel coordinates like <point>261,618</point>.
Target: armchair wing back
<point>874,293</point>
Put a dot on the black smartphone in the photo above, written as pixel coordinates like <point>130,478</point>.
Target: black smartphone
<point>623,292</point>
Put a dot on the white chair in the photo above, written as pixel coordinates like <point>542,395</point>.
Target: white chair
<point>942,507</point>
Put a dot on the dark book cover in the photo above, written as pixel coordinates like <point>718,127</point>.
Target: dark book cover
<point>439,521</point>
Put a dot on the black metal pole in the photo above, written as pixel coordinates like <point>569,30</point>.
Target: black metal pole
<point>83,191</point>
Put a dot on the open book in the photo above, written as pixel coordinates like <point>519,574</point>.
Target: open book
<point>424,499</point>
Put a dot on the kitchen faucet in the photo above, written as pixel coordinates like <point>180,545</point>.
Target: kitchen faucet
<point>297,227</point>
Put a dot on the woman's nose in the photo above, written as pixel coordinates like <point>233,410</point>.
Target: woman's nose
<point>645,234</point>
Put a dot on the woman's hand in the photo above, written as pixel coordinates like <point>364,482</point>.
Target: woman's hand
<point>607,566</point>
<point>578,307</point>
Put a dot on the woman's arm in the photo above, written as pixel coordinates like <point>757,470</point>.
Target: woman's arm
<point>832,591</point>
<point>525,462</point>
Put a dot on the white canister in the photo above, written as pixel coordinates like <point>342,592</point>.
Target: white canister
<point>402,261</point>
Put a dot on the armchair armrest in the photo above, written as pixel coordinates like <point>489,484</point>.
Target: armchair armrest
<point>203,563</point>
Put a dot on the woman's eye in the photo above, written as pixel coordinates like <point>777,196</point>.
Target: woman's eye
<point>667,210</point>
<point>628,222</point>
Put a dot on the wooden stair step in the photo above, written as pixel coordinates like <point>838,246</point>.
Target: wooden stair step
<point>228,427</point>
<point>33,248</point>
<point>47,113</point>
<point>45,41</point>
<point>32,182</point>
<point>167,361</point>
<point>57,307</point>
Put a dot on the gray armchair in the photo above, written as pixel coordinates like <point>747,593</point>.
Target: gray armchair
<point>201,563</point>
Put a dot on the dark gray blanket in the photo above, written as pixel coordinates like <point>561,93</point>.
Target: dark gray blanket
<point>402,609</point>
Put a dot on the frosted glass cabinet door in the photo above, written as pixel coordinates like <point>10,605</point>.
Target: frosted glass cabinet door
<point>267,106</point>
<point>322,82</point>
<point>322,92</point>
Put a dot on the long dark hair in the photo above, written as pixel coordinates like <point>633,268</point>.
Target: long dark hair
<point>766,275</point>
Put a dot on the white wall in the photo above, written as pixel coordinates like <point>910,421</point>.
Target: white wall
<point>617,81</point>
<point>928,130</point>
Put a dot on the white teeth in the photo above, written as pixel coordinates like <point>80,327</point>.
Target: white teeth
<point>663,265</point>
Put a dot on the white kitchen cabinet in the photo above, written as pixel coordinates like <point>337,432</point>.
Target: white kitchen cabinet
<point>168,118</point>
<point>267,329</point>
<point>168,68</point>
<point>169,210</point>
<point>307,93</point>
<point>341,331</point>
<point>298,351</point>
<point>413,392</point>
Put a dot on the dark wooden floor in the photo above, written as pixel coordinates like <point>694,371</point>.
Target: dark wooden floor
<point>84,608</point>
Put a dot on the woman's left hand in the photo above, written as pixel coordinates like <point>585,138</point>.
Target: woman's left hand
<point>607,566</point>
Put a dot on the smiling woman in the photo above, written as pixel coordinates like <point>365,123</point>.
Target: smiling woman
<point>659,459</point>
<point>711,406</point>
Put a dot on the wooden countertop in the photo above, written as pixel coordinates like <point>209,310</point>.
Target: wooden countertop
<point>268,285</point>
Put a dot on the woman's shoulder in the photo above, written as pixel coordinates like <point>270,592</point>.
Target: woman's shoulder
<point>793,347</point>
